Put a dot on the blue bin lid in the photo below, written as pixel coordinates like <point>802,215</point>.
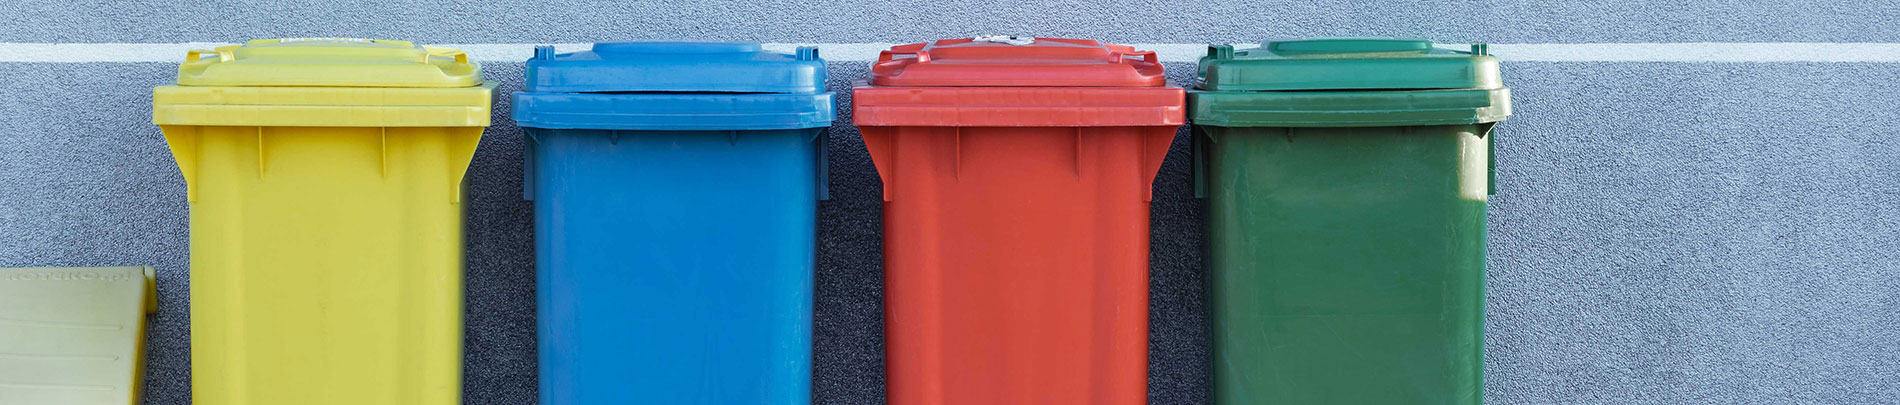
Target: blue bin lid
<point>676,67</point>
<point>675,86</point>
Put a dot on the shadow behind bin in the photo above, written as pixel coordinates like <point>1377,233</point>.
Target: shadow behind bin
<point>675,190</point>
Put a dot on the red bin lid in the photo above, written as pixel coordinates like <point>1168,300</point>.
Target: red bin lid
<point>1017,62</point>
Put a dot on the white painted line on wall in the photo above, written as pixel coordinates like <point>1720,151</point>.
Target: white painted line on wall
<point>1700,52</point>
<point>859,52</point>
<point>97,53</point>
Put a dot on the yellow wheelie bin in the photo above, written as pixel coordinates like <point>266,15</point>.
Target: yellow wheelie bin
<point>325,181</point>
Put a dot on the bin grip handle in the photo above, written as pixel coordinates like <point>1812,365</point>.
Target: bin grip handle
<point>921,56</point>
<point>436,51</point>
<point>1146,56</point>
<point>223,55</point>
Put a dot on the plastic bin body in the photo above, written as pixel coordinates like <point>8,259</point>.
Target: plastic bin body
<point>1347,220</point>
<point>325,177</point>
<point>675,221</point>
<point>74,335</point>
<point>1016,196</point>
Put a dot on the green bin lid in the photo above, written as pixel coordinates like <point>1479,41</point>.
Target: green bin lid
<point>1347,64</point>
<point>1347,82</point>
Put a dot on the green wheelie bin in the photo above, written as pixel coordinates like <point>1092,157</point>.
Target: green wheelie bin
<point>1346,182</point>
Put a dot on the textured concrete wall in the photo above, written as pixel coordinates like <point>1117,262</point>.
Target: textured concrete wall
<point>1140,21</point>
<point>1663,233</point>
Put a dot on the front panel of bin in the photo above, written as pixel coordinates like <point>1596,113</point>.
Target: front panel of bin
<point>1347,220</point>
<point>326,218</point>
<point>1016,175</point>
<point>675,189</point>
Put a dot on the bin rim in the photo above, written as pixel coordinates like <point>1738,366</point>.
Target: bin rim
<point>1331,64</point>
<point>674,111</point>
<point>323,106</point>
<point>1008,106</point>
<point>1348,108</point>
<point>1017,61</point>
<point>675,67</point>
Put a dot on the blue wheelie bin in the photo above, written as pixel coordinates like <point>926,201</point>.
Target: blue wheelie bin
<point>675,190</point>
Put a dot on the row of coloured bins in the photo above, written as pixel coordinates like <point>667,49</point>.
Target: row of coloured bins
<point>325,183</point>
<point>74,335</point>
<point>675,190</point>
<point>1346,182</point>
<point>1017,176</point>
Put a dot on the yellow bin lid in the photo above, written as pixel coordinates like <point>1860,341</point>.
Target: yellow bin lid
<point>73,335</point>
<point>329,62</point>
<point>325,82</point>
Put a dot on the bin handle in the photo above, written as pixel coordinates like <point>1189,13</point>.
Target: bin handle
<point>223,55</point>
<point>921,56</point>
<point>436,51</point>
<point>1146,56</point>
